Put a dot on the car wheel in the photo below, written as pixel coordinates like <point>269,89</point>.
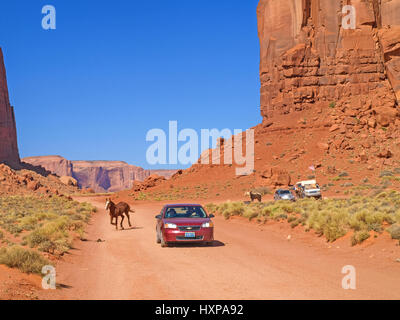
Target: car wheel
<point>163,243</point>
<point>158,238</point>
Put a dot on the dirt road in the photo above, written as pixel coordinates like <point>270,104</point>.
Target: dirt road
<point>246,262</point>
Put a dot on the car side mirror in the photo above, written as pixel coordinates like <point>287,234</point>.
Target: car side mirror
<point>158,217</point>
<point>211,216</point>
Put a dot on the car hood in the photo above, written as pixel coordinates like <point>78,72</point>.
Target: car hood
<point>187,221</point>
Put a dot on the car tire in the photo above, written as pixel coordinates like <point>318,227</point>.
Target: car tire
<point>163,243</point>
<point>158,238</point>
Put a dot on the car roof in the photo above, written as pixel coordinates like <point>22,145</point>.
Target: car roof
<point>183,205</point>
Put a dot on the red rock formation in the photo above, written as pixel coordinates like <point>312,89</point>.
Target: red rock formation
<point>55,164</point>
<point>309,60</point>
<point>150,182</point>
<point>106,176</point>
<point>101,176</point>
<point>8,133</point>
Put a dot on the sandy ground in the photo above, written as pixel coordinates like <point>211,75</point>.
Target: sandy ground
<point>247,261</point>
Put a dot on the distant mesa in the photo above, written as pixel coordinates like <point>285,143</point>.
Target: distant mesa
<point>100,176</point>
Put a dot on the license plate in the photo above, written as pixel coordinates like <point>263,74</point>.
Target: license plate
<point>190,234</point>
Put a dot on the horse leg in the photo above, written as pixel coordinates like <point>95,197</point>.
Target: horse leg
<point>129,219</point>
<point>116,222</point>
<point>122,220</point>
<point>111,219</point>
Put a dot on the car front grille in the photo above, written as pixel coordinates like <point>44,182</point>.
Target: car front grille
<point>189,228</point>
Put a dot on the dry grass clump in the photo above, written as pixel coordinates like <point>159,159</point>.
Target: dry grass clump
<point>28,261</point>
<point>394,231</point>
<point>332,218</point>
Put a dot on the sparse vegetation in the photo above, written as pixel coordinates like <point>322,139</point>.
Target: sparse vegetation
<point>332,218</point>
<point>42,223</point>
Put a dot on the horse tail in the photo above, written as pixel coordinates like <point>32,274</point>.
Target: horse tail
<point>133,211</point>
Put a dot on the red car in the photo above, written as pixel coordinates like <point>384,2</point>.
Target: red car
<point>184,223</point>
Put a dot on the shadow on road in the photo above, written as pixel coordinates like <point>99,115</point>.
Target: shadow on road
<point>131,228</point>
<point>63,286</point>
<point>214,244</point>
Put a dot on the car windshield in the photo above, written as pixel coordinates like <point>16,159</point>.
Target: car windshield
<point>285,192</point>
<point>185,212</point>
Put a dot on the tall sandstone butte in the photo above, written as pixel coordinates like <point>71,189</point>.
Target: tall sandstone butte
<point>8,133</point>
<point>308,60</point>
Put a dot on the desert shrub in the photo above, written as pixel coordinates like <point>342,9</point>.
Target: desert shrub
<point>347,185</point>
<point>211,207</point>
<point>295,223</point>
<point>330,223</point>
<point>359,236</point>
<point>25,260</point>
<point>386,173</point>
<point>250,213</point>
<point>52,237</point>
<point>229,209</point>
<point>141,196</point>
<point>394,231</point>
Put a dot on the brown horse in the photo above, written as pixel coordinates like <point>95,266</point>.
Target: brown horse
<point>118,210</point>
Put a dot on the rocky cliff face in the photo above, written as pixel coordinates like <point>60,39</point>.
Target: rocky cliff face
<point>106,176</point>
<point>8,133</point>
<point>309,60</point>
<point>55,164</point>
<point>101,176</point>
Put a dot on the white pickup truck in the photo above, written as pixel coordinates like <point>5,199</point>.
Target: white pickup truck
<point>308,189</point>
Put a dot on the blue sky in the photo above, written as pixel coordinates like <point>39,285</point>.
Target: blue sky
<point>112,70</point>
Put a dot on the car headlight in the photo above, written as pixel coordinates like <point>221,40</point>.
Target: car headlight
<point>207,225</point>
<point>170,226</point>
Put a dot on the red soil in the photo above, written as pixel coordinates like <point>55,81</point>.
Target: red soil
<point>247,261</point>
